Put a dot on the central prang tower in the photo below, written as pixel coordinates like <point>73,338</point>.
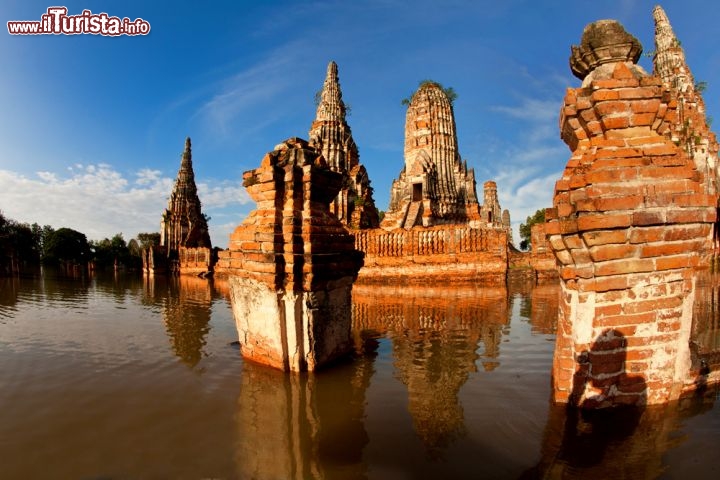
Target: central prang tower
<point>435,186</point>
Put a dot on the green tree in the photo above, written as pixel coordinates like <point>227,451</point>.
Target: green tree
<point>148,239</point>
<point>19,245</point>
<point>112,252</point>
<point>66,245</point>
<point>526,228</point>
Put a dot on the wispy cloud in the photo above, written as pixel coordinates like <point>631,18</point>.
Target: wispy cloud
<point>531,109</point>
<point>100,201</point>
<point>254,97</point>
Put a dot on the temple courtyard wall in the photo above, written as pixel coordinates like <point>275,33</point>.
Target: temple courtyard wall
<point>425,255</point>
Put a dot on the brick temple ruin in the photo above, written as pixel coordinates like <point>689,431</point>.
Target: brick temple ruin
<point>331,135</point>
<point>435,228</point>
<point>184,235</point>
<point>292,263</point>
<point>633,215</point>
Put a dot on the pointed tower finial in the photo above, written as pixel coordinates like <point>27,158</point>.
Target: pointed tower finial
<point>332,71</point>
<point>669,61</point>
<point>330,133</point>
<point>330,105</point>
<point>187,156</point>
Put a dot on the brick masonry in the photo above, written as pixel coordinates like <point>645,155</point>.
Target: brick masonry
<point>291,264</point>
<point>632,215</point>
<point>456,253</point>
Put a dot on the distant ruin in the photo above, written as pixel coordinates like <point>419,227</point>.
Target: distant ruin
<point>435,228</point>
<point>185,245</point>
<point>435,186</point>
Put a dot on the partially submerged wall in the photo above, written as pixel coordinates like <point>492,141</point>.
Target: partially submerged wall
<point>423,255</point>
<point>291,264</point>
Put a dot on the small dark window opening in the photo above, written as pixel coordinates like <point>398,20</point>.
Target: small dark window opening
<point>417,192</point>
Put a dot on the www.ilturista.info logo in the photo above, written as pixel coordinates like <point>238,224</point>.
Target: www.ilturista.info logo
<point>57,22</point>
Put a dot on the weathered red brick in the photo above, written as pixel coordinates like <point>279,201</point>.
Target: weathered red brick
<point>612,252</point>
<point>618,267</point>
<point>603,221</point>
<point>603,237</point>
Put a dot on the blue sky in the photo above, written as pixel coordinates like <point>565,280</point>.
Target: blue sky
<point>92,127</point>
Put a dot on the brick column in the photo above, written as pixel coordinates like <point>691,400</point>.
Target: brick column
<point>628,219</point>
<point>292,263</point>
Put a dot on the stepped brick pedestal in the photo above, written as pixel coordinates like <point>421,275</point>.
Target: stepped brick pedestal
<point>292,263</point>
<point>631,214</point>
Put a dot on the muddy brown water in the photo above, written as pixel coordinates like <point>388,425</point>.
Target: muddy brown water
<point>117,376</point>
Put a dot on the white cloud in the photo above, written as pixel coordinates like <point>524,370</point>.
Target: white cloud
<point>100,201</point>
<point>532,110</point>
<point>528,197</point>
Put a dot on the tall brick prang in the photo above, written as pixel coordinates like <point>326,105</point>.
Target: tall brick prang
<point>330,133</point>
<point>291,264</point>
<point>630,216</point>
<point>691,131</point>
<point>435,186</point>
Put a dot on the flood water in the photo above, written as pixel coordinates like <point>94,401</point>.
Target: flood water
<point>120,377</point>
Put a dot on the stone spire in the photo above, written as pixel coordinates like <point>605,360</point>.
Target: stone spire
<point>435,186</point>
<point>183,224</point>
<point>692,130</point>
<point>331,107</point>
<point>669,61</point>
<point>331,134</point>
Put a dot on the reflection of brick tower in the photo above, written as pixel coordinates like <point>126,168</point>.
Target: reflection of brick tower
<point>435,186</point>
<point>330,133</point>
<point>183,224</point>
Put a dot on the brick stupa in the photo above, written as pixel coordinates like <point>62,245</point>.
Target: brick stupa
<point>632,214</point>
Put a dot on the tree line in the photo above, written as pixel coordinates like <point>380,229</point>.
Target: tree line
<point>24,246</point>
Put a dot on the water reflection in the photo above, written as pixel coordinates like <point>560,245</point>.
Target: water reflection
<point>305,425</point>
<point>438,336</point>
<point>448,384</point>
<point>613,443</point>
<point>9,289</point>
<point>706,325</point>
<point>186,306</point>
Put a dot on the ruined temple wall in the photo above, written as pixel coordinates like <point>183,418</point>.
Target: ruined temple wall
<point>420,255</point>
<point>291,263</point>
<point>195,261</point>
